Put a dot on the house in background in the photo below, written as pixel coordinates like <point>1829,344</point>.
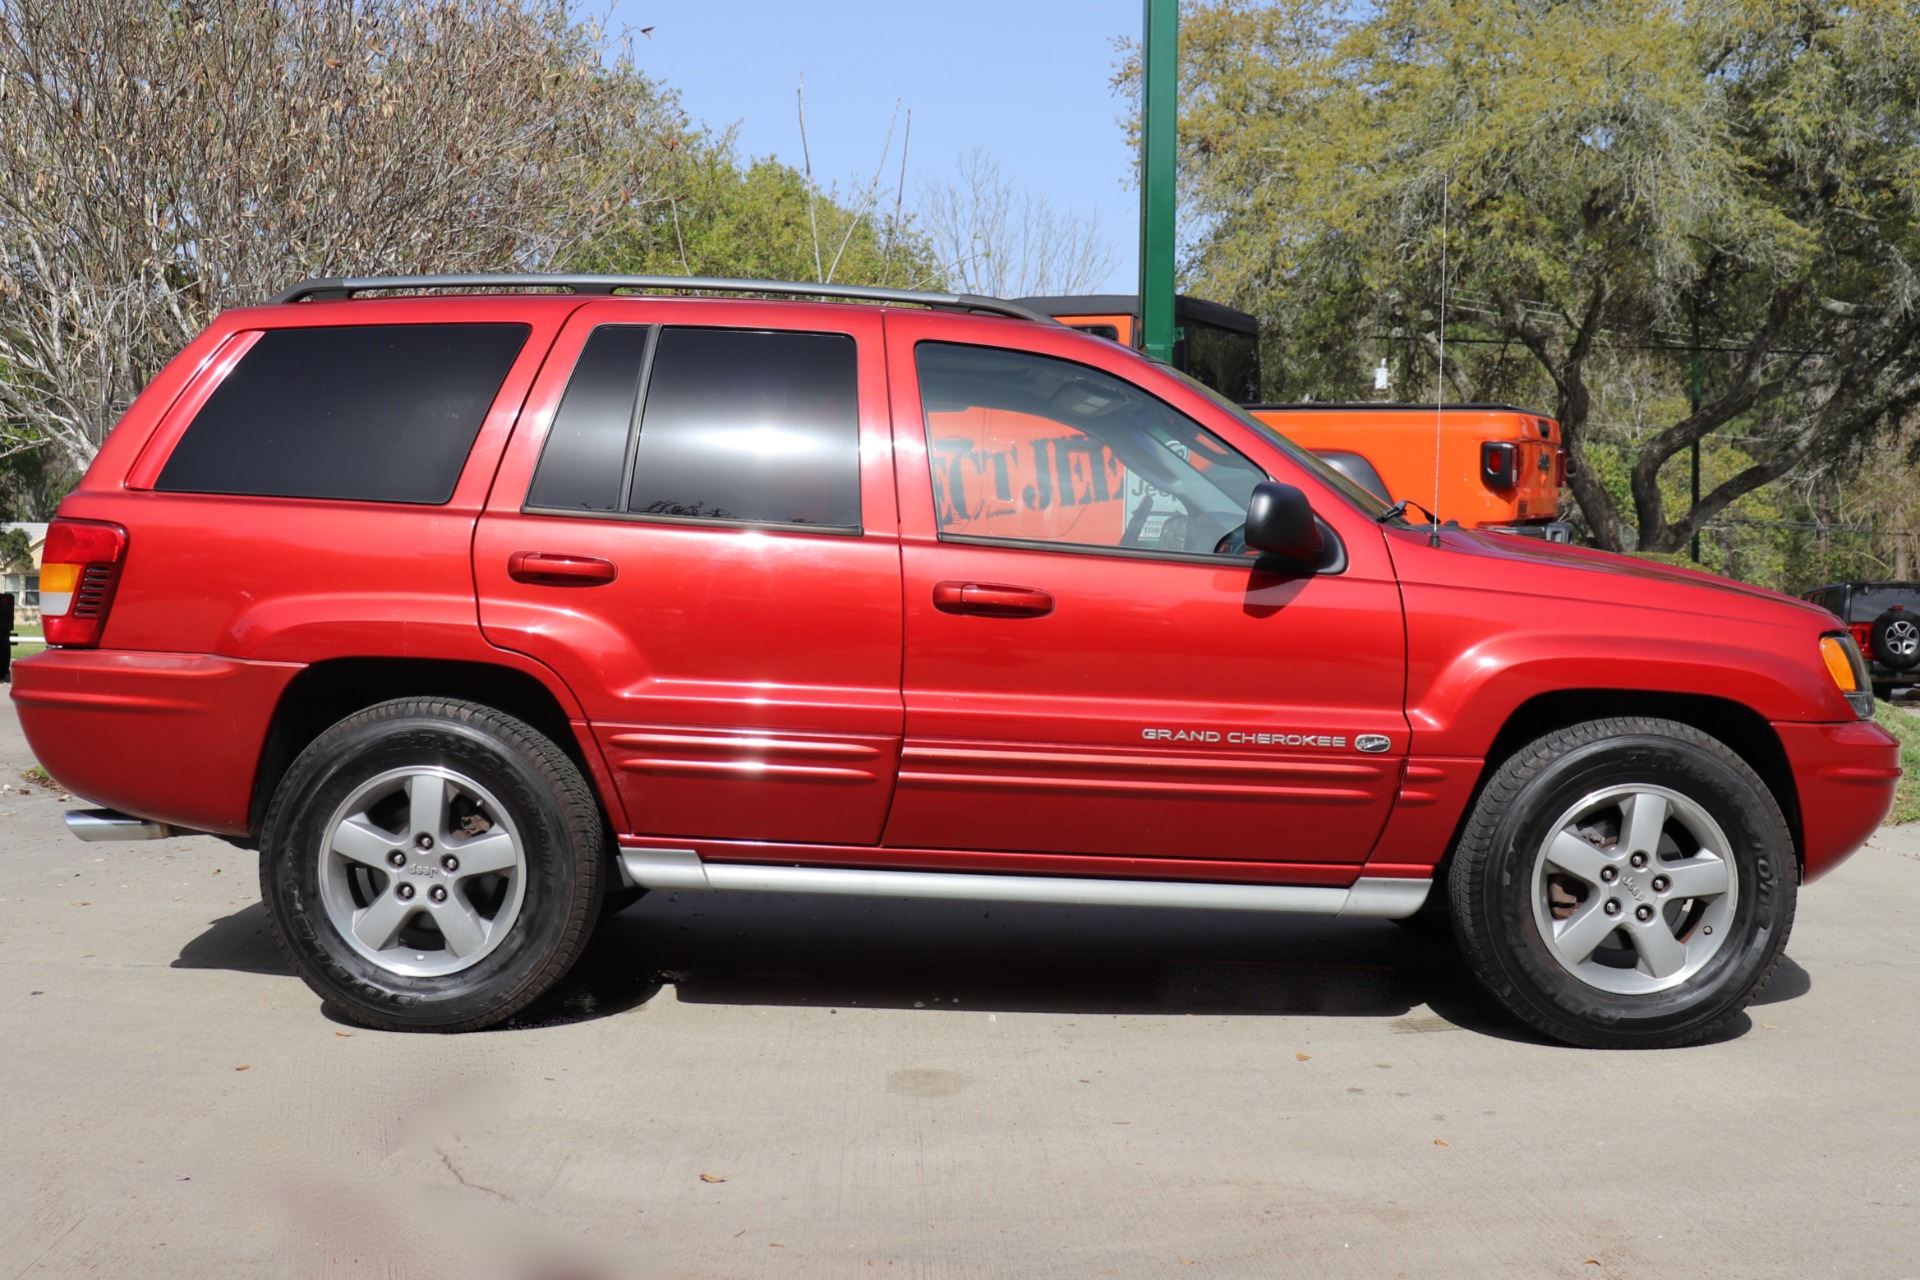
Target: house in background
<point>22,578</point>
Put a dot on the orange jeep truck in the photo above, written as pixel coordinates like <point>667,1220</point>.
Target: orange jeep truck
<point>1501,468</point>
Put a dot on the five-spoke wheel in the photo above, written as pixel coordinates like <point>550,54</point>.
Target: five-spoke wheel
<point>432,864</point>
<point>1625,882</point>
<point>1633,891</point>
<point>424,871</point>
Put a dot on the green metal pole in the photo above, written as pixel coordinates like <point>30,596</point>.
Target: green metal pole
<point>1159,117</point>
<point>1696,444</point>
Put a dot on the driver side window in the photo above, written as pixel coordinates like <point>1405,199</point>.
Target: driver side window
<point>1030,449</point>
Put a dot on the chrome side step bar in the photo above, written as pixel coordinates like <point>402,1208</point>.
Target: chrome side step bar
<point>95,825</point>
<point>1375,897</point>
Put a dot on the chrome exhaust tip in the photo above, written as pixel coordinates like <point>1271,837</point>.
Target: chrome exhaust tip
<point>95,825</point>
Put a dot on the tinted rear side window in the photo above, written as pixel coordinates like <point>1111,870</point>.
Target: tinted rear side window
<point>750,426</point>
<point>582,462</point>
<point>373,413</point>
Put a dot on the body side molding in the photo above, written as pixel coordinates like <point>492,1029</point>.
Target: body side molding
<point>1376,897</point>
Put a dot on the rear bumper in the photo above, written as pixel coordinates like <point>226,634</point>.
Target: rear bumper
<point>1845,775</point>
<point>1884,674</point>
<point>170,737</point>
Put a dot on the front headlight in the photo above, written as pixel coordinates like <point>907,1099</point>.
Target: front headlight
<point>1849,671</point>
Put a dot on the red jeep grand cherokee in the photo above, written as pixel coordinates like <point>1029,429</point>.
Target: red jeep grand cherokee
<point>481,614</point>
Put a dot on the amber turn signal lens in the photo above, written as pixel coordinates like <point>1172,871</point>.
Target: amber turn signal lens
<point>1849,672</point>
<point>1839,663</point>
<point>60,577</point>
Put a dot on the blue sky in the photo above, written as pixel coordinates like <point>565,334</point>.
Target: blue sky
<point>1024,80</point>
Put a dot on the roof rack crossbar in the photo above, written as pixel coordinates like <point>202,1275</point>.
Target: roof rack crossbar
<point>339,287</point>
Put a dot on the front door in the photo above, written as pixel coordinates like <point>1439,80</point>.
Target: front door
<point>1085,673</point>
<point>694,527</point>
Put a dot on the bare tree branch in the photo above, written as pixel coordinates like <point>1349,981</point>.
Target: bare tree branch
<point>806,166</point>
<point>1000,241</point>
<point>899,197</point>
<point>160,161</point>
<point>869,195</point>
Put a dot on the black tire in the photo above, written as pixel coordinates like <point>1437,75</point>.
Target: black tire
<point>1506,887</point>
<point>494,777</point>
<point>1896,639</point>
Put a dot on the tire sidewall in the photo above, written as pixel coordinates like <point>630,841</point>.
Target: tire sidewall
<point>1760,854</point>
<point>293,853</point>
<point>1881,649</point>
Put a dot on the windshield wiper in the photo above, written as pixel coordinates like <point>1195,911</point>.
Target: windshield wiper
<point>1398,511</point>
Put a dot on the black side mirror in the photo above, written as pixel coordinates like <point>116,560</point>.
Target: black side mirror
<point>1280,520</point>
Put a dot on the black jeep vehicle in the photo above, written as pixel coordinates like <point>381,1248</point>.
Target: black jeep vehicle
<point>1885,618</point>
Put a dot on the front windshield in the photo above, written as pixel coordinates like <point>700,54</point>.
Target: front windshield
<point>1359,497</point>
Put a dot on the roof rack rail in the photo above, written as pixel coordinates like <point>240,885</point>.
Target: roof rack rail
<point>339,287</point>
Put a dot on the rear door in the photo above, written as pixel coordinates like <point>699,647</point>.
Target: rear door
<point>1084,674</point>
<point>694,527</point>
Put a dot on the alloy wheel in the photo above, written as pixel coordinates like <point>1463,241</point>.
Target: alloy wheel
<point>1634,889</point>
<point>423,871</point>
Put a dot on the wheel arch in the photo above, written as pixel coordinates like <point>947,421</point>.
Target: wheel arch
<point>1741,728</point>
<point>327,692</point>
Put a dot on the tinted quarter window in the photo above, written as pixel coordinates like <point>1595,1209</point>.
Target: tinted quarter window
<point>1225,360</point>
<point>584,458</point>
<point>742,425</point>
<point>374,413</point>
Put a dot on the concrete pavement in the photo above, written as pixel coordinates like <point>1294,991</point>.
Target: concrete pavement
<point>768,1086</point>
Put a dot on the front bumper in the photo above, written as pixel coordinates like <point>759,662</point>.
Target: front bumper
<point>1845,775</point>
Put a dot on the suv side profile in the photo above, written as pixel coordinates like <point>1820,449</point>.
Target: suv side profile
<point>481,613</point>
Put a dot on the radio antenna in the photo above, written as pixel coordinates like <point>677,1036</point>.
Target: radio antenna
<point>1440,371</point>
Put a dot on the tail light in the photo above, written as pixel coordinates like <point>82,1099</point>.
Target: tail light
<point>1500,463</point>
<point>1560,469</point>
<point>1863,636</point>
<point>79,569</point>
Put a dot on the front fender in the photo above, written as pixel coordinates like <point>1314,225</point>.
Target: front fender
<point>1457,703</point>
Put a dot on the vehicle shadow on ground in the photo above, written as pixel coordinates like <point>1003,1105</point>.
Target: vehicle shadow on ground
<point>774,949</point>
<point>1789,982</point>
<point>240,943</point>
<point>778,949</point>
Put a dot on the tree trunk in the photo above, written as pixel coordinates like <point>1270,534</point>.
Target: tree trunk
<point>1596,504</point>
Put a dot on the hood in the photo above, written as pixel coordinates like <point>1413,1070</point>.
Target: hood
<point>1488,607</point>
<point>1531,566</point>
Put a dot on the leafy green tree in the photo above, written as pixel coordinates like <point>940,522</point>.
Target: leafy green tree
<point>16,550</point>
<point>717,215</point>
<point>1603,180</point>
